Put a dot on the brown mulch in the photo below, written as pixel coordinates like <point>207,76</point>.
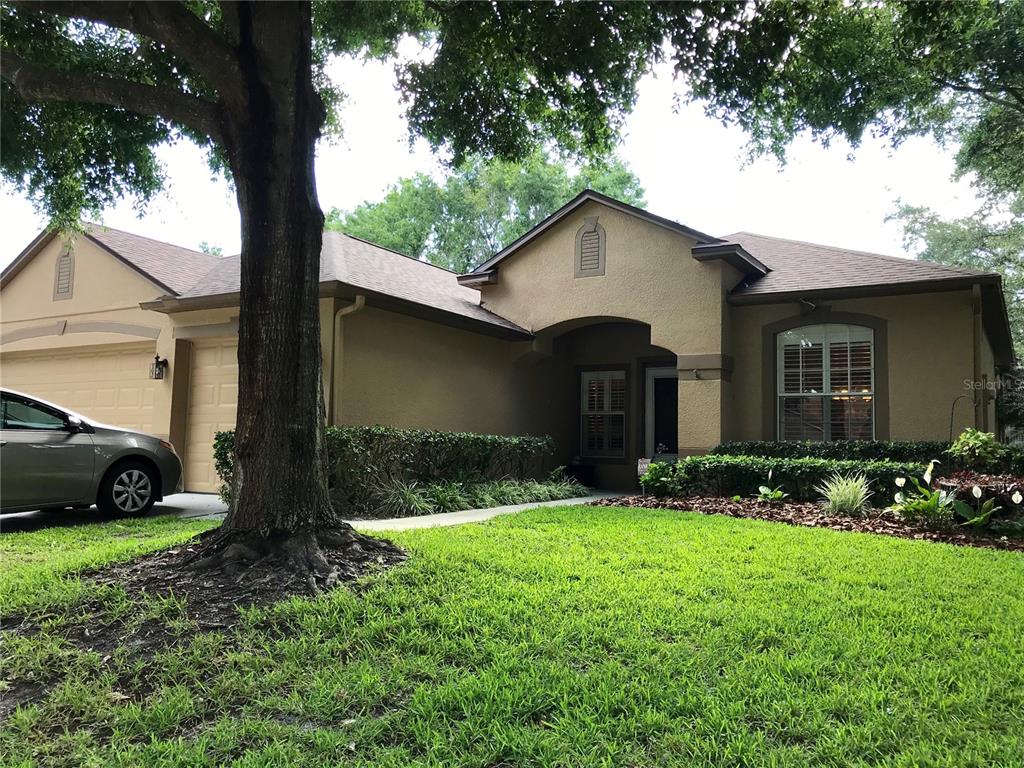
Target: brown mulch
<point>813,515</point>
<point>210,599</point>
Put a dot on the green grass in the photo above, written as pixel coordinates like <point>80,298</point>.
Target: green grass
<point>562,637</point>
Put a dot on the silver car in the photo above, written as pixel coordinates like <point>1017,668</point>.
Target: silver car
<point>52,458</point>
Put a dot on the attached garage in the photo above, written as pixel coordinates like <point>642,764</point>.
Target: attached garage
<point>109,383</point>
<point>213,399</point>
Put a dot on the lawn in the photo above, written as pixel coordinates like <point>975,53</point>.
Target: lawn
<point>563,637</point>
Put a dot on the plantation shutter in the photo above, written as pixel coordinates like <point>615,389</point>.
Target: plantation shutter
<point>603,414</point>
<point>826,383</point>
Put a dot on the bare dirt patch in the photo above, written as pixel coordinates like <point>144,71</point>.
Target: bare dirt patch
<point>812,515</point>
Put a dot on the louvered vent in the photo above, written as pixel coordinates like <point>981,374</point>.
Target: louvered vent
<point>590,252</point>
<point>64,276</point>
<point>590,249</point>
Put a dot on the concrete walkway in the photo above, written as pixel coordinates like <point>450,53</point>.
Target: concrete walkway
<point>204,505</point>
<point>467,515</point>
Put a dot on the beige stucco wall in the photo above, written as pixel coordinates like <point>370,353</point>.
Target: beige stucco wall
<point>930,338</point>
<point>105,291</point>
<point>411,373</point>
<point>650,276</point>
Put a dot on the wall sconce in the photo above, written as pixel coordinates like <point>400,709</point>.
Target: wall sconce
<point>157,367</point>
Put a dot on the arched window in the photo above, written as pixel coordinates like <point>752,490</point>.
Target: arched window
<point>590,248</point>
<point>64,276</point>
<point>826,383</point>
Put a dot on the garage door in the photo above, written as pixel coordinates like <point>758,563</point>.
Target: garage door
<point>213,398</point>
<point>109,383</point>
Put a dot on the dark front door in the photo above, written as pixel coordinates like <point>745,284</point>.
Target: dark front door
<point>666,415</point>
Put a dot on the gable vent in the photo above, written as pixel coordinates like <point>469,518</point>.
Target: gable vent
<point>64,276</point>
<point>590,249</point>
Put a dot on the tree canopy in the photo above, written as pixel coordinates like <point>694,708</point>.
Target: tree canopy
<point>954,69</point>
<point>479,208</point>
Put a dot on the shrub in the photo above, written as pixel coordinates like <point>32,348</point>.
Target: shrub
<point>364,460</point>
<point>846,494</point>
<point>975,449</point>
<point>716,475</point>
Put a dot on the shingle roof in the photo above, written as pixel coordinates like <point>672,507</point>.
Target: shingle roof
<point>799,266</point>
<point>368,267</point>
<point>172,266</point>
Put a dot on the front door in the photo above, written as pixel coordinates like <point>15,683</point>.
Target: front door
<point>661,410</point>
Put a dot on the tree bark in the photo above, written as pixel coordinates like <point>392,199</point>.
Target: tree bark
<point>280,484</point>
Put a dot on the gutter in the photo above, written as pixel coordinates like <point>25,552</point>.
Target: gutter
<point>350,309</point>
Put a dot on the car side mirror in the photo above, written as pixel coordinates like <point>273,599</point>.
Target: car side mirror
<point>75,425</point>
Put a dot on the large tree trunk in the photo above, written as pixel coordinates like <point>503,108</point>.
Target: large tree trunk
<point>280,483</point>
<point>280,508</point>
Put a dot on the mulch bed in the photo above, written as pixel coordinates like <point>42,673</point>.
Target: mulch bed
<point>813,515</point>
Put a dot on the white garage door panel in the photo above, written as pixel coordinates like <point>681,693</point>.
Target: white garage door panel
<point>213,399</point>
<point>110,384</point>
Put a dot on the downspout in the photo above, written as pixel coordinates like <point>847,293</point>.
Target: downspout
<point>350,309</point>
<point>976,391</point>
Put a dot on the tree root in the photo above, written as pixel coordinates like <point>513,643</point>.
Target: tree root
<point>314,559</point>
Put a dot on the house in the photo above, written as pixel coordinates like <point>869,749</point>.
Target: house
<point>621,334</point>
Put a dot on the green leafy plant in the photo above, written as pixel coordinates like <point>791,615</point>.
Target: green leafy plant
<point>659,479</point>
<point>979,515</point>
<point>918,502</point>
<point>920,451</point>
<point>447,496</point>
<point>847,494</point>
<point>401,499</point>
<point>767,493</point>
<point>975,449</point>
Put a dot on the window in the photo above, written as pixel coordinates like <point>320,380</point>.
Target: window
<point>826,383</point>
<point>590,248</point>
<point>20,414</point>
<point>603,414</point>
<point>64,276</point>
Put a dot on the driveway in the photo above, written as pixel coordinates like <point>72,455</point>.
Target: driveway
<point>181,504</point>
<point>210,505</point>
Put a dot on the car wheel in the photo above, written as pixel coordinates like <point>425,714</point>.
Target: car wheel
<point>128,489</point>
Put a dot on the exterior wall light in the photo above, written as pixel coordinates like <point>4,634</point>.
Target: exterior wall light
<point>158,367</point>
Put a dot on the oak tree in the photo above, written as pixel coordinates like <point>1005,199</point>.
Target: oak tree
<point>482,206</point>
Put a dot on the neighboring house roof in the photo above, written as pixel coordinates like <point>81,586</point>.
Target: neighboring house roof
<point>800,268</point>
<point>585,196</point>
<point>170,267</point>
<point>389,277</point>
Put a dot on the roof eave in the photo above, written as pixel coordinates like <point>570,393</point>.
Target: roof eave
<point>476,279</point>
<point>733,254</point>
<point>334,288</point>
<point>882,289</point>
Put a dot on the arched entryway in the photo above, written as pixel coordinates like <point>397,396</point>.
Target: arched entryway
<point>618,398</point>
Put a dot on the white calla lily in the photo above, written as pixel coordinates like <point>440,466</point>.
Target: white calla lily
<point>1017,498</point>
<point>900,482</point>
<point>976,491</point>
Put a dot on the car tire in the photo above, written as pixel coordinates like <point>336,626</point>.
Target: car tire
<point>129,489</point>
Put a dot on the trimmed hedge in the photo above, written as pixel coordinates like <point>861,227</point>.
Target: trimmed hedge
<point>716,475</point>
<point>919,451</point>
<point>365,460</point>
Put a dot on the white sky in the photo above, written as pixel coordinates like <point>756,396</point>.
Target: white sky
<point>691,167</point>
